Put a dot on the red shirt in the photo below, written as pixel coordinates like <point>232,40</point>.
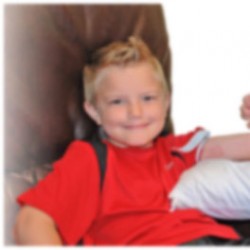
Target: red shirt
<point>133,207</point>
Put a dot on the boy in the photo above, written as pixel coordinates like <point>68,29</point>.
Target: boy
<point>127,96</point>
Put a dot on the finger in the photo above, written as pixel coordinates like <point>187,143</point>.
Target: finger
<point>245,112</point>
<point>248,124</point>
<point>246,101</point>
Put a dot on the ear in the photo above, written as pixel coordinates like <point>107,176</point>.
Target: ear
<point>92,112</point>
<point>167,101</point>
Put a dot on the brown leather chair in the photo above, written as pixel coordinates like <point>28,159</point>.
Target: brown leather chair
<point>46,47</point>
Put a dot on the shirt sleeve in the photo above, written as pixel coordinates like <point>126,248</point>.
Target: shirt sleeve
<point>189,146</point>
<point>70,193</point>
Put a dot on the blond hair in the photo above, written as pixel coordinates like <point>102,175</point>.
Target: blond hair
<point>119,54</point>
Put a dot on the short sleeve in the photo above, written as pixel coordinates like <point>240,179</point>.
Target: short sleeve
<point>189,146</point>
<point>70,193</point>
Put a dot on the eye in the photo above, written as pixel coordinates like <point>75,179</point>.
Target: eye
<point>116,102</point>
<point>148,98</point>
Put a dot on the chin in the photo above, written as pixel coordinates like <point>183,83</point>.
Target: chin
<point>139,144</point>
<point>134,140</point>
<point>131,143</point>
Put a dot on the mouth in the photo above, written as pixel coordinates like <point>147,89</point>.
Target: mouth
<point>136,126</point>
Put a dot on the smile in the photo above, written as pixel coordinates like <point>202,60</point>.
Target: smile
<point>138,126</point>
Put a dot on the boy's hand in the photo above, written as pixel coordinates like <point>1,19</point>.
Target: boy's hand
<point>245,109</point>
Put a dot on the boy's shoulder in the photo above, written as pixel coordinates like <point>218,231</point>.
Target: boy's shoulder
<point>92,150</point>
<point>185,142</point>
<point>79,146</point>
<point>77,143</point>
<point>78,151</point>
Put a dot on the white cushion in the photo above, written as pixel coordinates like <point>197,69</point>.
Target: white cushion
<point>219,188</point>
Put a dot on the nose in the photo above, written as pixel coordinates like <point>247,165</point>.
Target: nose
<point>135,109</point>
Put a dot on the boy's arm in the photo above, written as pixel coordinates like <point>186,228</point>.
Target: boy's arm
<point>233,147</point>
<point>34,227</point>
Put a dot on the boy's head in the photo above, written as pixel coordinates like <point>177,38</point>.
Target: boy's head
<point>120,54</point>
<point>126,93</point>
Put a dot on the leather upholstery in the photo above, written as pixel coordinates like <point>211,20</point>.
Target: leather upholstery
<point>46,47</point>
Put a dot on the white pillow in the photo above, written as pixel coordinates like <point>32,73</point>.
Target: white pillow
<point>219,188</point>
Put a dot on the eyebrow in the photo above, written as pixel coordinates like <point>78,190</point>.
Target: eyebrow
<point>111,96</point>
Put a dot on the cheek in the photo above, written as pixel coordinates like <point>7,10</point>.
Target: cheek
<point>159,111</point>
<point>112,116</point>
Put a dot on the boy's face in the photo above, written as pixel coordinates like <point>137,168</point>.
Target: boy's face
<point>131,105</point>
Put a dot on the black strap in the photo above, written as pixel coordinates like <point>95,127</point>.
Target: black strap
<point>101,153</point>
